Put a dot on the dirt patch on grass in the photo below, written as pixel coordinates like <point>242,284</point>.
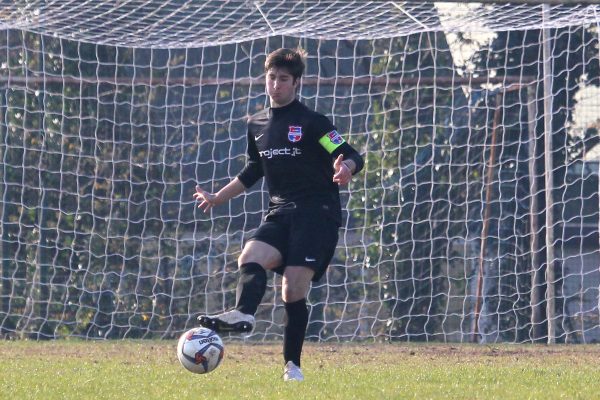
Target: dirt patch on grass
<point>461,353</point>
<point>237,352</point>
<point>117,349</point>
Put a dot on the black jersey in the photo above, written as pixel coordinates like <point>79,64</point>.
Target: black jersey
<point>294,148</point>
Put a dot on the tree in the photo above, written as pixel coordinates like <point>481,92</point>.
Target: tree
<point>574,62</point>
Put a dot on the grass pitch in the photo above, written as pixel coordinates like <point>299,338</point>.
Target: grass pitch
<point>73,369</point>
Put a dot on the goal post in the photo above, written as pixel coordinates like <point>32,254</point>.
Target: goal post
<point>110,115</point>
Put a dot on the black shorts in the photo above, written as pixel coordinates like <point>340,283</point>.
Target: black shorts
<point>303,239</point>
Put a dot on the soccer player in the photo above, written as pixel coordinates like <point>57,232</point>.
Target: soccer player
<point>304,160</point>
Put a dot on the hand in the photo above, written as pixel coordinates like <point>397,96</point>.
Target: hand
<point>342,173</point>
<point>207,200</point>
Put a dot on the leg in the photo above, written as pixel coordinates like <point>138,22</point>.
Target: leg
<point>255,257</point>
<point>296,283</point>
<point>295,287</point>
<point>313,240</point>
<point>256,251</point>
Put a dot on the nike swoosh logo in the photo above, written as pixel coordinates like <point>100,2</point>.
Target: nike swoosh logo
<point>307,259</point>
<point>259,136</point>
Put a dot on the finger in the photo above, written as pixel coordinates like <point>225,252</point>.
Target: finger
<point>339,169</point>
<point>200,196</point>
<point>338,177</point>
<point>338,161</point>
<point>342,181</point>
<point>342,176</point>
<point>205,206</point>
<point>200,193</point>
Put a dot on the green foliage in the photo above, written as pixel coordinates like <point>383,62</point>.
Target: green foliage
<point>415,174</point>
<point>94,180</point>
<point>100,158</point>
<point>574,63</point>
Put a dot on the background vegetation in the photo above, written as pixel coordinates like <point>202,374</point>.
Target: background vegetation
<point>100,236</point>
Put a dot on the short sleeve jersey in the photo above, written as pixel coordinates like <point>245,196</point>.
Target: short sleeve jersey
<point>294,147</point>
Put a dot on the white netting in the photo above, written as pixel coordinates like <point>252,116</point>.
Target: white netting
<point>112,111</point>
<point>181,23</point>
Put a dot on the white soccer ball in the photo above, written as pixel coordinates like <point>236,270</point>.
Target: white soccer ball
<point>200,350</point>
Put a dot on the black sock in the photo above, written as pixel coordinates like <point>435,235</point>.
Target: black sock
<point>251,288</point>
<point>294,330</point>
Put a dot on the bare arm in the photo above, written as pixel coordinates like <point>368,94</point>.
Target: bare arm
<point>209,200</point>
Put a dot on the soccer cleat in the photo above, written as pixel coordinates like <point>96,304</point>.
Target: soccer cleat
<point>230,321</point>
<point>292,372</point>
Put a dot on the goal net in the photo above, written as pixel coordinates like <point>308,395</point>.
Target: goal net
<point>475,218</point>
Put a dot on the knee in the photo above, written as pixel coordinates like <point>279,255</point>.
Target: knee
<point>244,259</point>
<point>255,252</point>
<point>292,293</point>
<point>248,256</point>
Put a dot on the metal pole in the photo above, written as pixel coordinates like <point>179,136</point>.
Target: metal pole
<point>486,214</point>
<point>548,174</point>
<point>5,275</point>
<point>536,267</point>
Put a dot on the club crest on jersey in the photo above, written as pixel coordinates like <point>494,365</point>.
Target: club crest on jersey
<point>295,134</point>
<point>335,137</point>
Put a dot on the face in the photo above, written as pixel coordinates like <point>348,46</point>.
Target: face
<point>281,87</point>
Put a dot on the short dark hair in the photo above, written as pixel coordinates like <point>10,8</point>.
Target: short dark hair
<point>293,60</point>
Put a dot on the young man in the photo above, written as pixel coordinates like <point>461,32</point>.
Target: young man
<point>303,159</point>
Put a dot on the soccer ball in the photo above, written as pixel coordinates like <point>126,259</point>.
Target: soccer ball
<point>200,350</point>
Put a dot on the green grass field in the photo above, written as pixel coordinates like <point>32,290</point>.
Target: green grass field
<point>73,369</point>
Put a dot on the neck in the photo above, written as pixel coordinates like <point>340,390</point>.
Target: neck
<point>275,104</point>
